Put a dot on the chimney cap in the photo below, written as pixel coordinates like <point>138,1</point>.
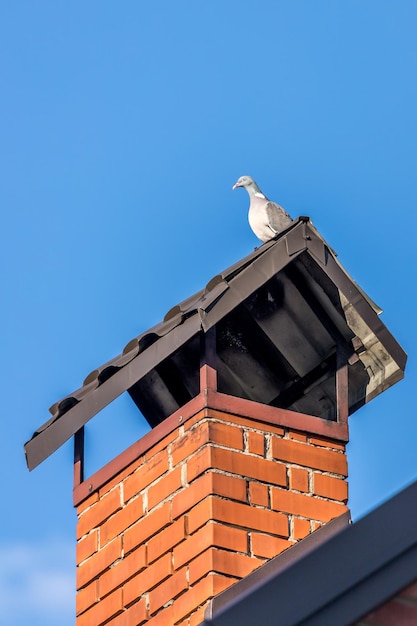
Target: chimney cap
<point>290,301</point>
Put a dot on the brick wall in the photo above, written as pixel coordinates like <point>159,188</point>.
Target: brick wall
<point>203,507</point>
<point>399,611</point>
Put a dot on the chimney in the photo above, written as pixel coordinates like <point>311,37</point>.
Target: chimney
<point>247,386</point>
<point>198,503</point>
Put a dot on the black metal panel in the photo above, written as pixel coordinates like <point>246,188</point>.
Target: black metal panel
<point>170,385</point>
<point>251,358</point>
<point>153,398</point>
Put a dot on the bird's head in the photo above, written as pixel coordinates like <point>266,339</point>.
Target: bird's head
<point>244,181</point>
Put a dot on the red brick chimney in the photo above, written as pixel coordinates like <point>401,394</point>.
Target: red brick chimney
<point>198,503</point>
<point>247,387</point>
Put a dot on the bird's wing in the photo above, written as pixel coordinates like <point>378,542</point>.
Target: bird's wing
<point>278,218</point>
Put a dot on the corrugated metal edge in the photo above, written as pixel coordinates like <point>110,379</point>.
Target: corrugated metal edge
<point>52,435</point>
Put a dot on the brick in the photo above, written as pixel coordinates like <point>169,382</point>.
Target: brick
<point>327,443</point>
<point>162,445</point>
<point>99,512</point>
<point>103,610</point>
<point>249,517</point>
<point>298,479</point>
<point>258,494</point>
<point>238,514</point>
<point>206,432</point>
<point>119,522</point>
<point>392,613</point>
<point>226,435</point>
<point>223,562</point>
<point>193,545</point>
<point>120,476</point>
<point>198,463</point>
<point>197,618</point>
<point>256,443</point>
<point>301,528</point>
<point>304,505</point>
<point>210,483</point>
<point>236,463</point>
<point>145,475</point>
<point>197,595</point>
<point>330,487</point>
<point>309,456</point>
<point>410,592</point>
<point>126,568</point>
<point>86,547</point>
<point>276,430</point>
<point>268,546</point>
<point>199,515</point>
<point>146,527</point>
<point>86,597</point>
<point>164,488</point>
<point>134,615</point>
<point>189,442</point>
<point>230,487</point>
<point>201,566</point>
<point>210,535</point>
<point>97,563</point>
<point>163,618</point>
<point>166,539</point>
<point>229,537</point>
<point>87,503</point>
<point>153,575</point>
<point>297,435</point>
<point>168,590</point>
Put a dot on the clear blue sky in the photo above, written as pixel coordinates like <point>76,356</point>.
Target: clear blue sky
<point>123,127</point>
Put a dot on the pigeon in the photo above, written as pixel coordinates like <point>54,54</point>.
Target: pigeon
<point>266,218</point>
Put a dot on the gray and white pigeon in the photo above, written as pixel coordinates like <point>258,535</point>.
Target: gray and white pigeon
<point>266,218</point>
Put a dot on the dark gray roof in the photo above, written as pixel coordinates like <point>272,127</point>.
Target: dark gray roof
<point>326,580</point>
<point>280,314</point>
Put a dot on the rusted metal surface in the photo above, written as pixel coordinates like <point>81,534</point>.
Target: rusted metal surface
<point>280,317</point>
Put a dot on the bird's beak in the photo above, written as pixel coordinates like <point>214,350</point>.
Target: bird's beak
<point>235,185</point>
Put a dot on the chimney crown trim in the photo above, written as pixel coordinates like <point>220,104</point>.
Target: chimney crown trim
<point>209,401</point>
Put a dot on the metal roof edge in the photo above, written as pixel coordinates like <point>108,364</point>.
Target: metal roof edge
<point>48,440</point>
<point>365,308</point>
